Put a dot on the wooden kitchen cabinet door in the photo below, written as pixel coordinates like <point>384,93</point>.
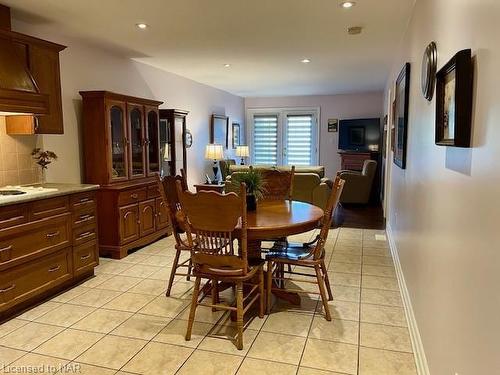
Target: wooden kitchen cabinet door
<point>129,223</point>
<point>162,219</point>
<point>147,217</point>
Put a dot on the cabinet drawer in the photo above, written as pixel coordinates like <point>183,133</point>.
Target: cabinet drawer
<point>49,207</point>
<point>13,215</point>
<point>85,257</point>
<point>85,214</point>
<point>84,234</point>
<point>132,196</point>
<point>81,200</point>
<point>22,282</point>
<point>153,191</point>
<point>30,240</point>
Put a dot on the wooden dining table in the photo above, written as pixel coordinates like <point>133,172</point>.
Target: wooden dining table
<point>280,219</point>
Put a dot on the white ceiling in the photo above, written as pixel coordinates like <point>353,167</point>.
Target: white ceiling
<point>263,40</point>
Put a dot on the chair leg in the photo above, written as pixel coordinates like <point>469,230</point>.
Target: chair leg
<point>215,294</point>
<point>190,267</point>
<point>261,293</point>
<point>175,265</point>
<point>327,281</point>
<point>269,285</point>
<point>322,291</point>
<point>239,315</point>
<point>194,304</point>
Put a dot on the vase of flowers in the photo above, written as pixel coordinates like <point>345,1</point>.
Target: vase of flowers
<point>254,185</point>
<point>43,159</point>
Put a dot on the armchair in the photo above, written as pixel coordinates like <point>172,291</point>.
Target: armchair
<point>358,185</point>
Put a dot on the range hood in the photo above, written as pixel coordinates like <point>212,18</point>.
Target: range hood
<point>19,92</point>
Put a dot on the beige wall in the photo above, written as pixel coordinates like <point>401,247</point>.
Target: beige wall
<point>17,167</point>
<point>88,67</point>
<point>362,105</point>
<point>445,207</point>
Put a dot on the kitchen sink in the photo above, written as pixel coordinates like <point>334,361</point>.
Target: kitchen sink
<point>12,192</point>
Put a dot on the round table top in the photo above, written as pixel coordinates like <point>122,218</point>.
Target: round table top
<point>275,219</point>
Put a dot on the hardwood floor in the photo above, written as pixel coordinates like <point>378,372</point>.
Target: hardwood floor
<point>359,216</point>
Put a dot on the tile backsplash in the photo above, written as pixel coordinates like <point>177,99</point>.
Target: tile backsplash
<point>17,167</point>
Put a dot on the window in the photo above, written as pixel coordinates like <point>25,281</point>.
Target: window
<point>283,136</point>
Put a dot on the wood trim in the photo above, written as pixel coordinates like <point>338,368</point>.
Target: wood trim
<point>31,40</point>
<point>5,18</point>
<point>119,97</point>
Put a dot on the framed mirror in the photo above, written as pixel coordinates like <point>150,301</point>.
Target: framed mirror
<point>219,129</point>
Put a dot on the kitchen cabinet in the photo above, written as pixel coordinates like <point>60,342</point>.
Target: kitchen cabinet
<point>121,142</point>
<point>42,61</point>
<point>46,245</point>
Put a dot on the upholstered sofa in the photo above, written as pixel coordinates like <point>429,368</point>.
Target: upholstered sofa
<point>309,183</point>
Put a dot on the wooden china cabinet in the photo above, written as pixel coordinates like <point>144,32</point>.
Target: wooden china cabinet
<point>122,154</point>
<point>173,141</point>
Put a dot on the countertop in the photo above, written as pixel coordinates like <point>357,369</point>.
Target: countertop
<point>61,189</point>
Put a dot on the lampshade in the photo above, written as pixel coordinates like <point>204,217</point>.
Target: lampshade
<point>242,151</point>
<point>214,152</point>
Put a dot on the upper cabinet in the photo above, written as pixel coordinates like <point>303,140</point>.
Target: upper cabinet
<point>120,136</point>
<point>34,63</point>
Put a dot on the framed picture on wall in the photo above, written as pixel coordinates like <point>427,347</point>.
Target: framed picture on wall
<point>219,129</point>
<point>454,101</point>
<point>401,116</point>
<point>236,135</point>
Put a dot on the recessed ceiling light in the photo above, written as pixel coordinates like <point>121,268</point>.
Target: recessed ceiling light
<point>347,4</point>
<point>227,65</point>
<point>141,26</point>
<point>305,61</point>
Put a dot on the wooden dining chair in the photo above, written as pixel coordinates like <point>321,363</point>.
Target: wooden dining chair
<point>216,224</point>
<point>278,184</point>
<point>309,255</point>
<point>168,192</point>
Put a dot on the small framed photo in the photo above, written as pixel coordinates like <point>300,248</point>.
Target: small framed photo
<point>454,101</point>
<point>333,125</point>
<point>236,135</point>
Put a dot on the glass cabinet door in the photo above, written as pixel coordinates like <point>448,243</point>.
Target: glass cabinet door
<point>137,142</point>
<point>165,148</point>
<point>179,144</point>
<point>153,142</point>
<point>116,113</point>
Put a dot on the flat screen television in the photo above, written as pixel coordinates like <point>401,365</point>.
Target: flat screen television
<point>359,134</point>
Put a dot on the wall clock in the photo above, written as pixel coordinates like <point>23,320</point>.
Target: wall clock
<point>429,67</point>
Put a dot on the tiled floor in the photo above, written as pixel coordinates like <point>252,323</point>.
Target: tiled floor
<point>120,322</point>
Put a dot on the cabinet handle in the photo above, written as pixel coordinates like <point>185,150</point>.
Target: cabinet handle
<point>53,234</point>
<point>134,196</point>
<point>86,234</point>
<point>54,269</point>
<point>37,124</point>
<point>8,248</point>
<point>14,218</point>
<point>86,217</point>
<point>12,286</point>
<point>83,257</point>
<point>83,200</point>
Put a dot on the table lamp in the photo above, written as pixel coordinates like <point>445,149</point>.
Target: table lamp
<point>214,152</point>
<point>242,152</point>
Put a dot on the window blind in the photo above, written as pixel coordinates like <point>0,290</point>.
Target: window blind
<point>299,139</point>
<point>265,139</point>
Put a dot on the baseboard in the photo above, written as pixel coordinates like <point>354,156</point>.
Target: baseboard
<point>416,342</point>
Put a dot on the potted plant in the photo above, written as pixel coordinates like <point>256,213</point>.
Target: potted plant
<point>43,159</point>
<point>254,183</point>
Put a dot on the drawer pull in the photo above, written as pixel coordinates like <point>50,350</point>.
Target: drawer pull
<point>8,248</point>
<point>15,218</point>
<point>134,196</point>
<point>84,257</point>
<point>85,234</point>
<point>8,288</point>
<point>53,234</point>
<point>83,200</point>
<point>54,269</point>
<point>85,217</point>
